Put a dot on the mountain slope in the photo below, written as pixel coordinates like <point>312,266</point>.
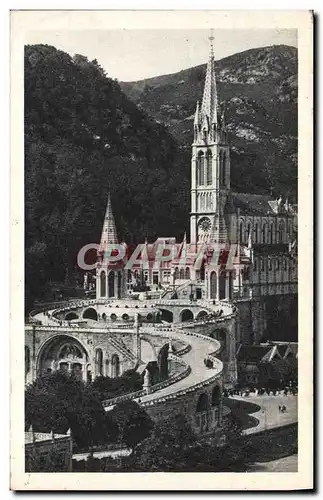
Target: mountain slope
<point>84,138</point>
<point>259,89</point>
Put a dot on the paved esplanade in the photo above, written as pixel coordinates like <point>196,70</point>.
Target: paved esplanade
<point>269,415</point>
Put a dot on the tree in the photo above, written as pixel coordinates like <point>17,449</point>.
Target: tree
<point>83,138</point>
<point>166,449</point>
<point>58,401</point>
<point>133,423</point>
<point>51,462</point>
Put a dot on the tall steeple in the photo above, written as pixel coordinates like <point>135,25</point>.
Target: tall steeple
<point>210,171</point>
<point>219,233</point>
<point>209,108</point>
<point>109,231</point>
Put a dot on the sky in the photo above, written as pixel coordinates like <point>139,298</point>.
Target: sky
<point>130,55</point>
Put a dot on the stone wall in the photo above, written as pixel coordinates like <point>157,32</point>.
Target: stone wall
<point>258,320</point>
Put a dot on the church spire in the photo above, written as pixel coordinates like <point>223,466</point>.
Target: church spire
<point>109,231</point>
<point>210,97</point>
<point>219,233</point>
<point>197,114</point>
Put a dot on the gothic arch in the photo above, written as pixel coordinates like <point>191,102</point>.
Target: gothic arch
<point>264,233</point>
<point>213,285</point>
<point>98,362</point>
<point>271,233</point>
<point>182,274</point>
<point>216,396</point>
<point>200,168</point>
<point>119,284</point>
<point>202,403</point>
<point>51,349</point>
<point>249,229</point>
<point>111,284</point>
<point>187,273</point>
<point>176,274</point>
<point>209,168</point>
<point>115,366</point>
<point>222,285</point>
<point>241,232</point>
<point>103,285</point>
<point>281,232</point>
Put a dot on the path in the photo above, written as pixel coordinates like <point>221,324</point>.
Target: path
<point>285,464</point>
<point>269,416</point>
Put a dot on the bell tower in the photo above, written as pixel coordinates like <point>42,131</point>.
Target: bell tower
<point>210,170</point>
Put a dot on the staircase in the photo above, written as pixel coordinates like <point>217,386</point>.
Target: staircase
<point>120,345</point>
<point>169,292</point>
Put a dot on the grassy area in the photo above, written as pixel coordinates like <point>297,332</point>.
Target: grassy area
<point>274,444</point>
<point>241,411</point>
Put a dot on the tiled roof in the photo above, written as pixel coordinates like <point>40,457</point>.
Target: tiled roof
<point>253,353</point>
<point>256,204</point>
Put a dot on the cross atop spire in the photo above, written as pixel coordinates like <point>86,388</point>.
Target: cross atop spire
<point>109,231</point>
<point>210,98</point>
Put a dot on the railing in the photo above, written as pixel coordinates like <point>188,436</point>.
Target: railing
<point>161,385</point>
<point>118,344</point>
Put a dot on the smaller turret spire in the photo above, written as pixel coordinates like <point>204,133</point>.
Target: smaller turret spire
<point>197,114</point>
<point>109,231</point>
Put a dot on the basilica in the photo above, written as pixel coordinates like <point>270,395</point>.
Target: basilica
<point>257,232</point>
<point>177,312</point>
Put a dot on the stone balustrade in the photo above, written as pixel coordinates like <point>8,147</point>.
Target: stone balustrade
<point>161,385</point>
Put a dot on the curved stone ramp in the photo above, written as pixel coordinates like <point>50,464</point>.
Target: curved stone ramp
<point>202,348</point>
<point>199,376</point>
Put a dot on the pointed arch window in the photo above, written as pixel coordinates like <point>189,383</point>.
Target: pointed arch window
<point>256,229</point>
<point>248,230</point>
<point>222,161</point>
<point>103,284</point>
<point>263,234</point>
<point>241,232</point>
<point>281,231</point>
<point>209,168</point>
<point>115,366</point>
<point>98,362</point>
<point>200,169</point>
<point>271,234</point>
<point>111,283</point>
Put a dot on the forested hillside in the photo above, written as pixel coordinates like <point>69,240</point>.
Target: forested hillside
<point>259,89</point>
<point>84,138</point>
